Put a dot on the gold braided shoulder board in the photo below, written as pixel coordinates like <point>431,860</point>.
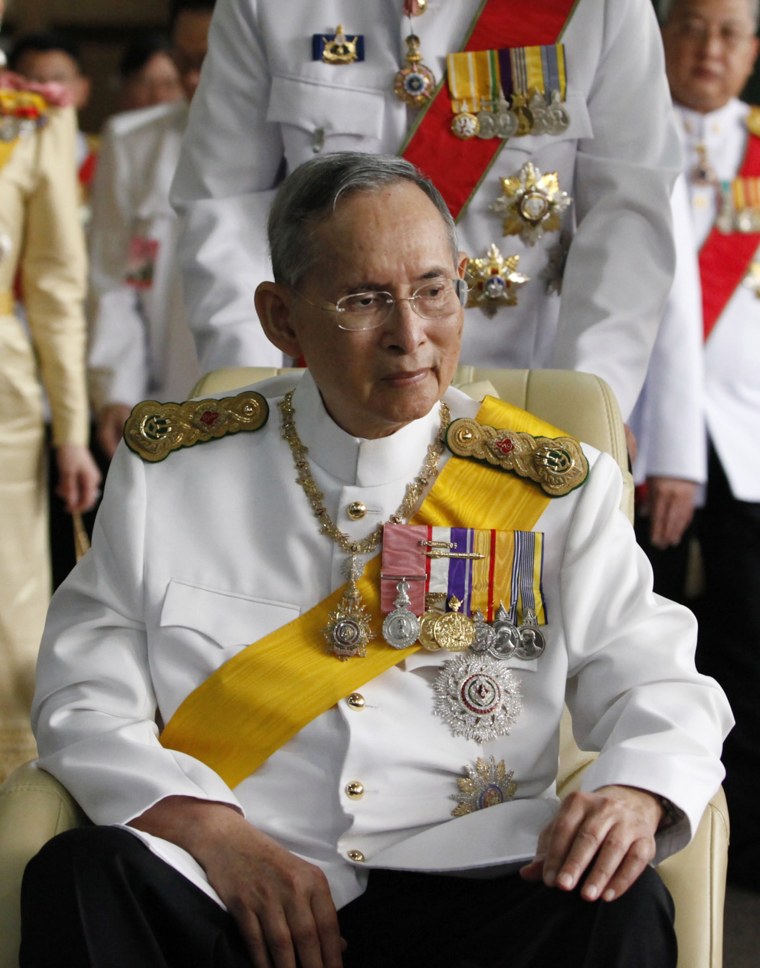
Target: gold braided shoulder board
<point>557,464</point>
<point>153,430</point>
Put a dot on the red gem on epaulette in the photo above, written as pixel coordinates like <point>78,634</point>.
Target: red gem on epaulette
<point>505,445</point>
<point>209,417</point>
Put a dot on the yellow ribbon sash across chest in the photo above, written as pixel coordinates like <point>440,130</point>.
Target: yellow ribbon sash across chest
<point>262,697</point>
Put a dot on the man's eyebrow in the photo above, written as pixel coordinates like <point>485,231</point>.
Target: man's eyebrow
<point>435,273</point>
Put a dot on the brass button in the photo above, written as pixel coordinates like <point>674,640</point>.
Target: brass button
<point>355,700</point>
<point>356,856</point>
<point>354,790</point>
<point>356,510</point>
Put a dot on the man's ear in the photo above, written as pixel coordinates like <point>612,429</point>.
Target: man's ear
<point>274,305</point>
<point>462,265</point>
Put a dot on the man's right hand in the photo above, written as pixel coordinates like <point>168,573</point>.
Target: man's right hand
<point>282,904</point>
<point>111,420</point>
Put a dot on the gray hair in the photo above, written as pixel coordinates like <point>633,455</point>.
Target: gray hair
<point>664,8</point>
<point>311,193</point>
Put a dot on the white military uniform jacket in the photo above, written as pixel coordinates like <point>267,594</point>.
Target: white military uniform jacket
<point>140,343</point>
<point>263,107</point>
<point>721,390</point>
<point>196,557</point>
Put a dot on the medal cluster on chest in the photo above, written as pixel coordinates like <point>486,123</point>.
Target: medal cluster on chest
<point>492,96</point>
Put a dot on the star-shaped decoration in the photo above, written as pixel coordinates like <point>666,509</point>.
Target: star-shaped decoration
<point>531,203</point>
<point>494,280</point>
<point>486,784</point>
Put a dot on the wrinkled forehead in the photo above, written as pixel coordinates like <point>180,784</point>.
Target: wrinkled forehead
<point>719,11</point>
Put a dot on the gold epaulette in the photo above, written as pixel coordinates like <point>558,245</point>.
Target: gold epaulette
<point>753,120</point>
<point>557,464</point>
<point>153,430</point>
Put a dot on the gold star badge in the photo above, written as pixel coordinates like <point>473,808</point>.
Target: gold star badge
<point>531,203</point>
<point>494,280</point>
<point>486,785</point>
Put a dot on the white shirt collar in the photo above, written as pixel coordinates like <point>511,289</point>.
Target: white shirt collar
<point>355,460</point>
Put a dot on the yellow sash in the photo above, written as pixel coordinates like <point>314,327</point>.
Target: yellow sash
<point>264,695</point>
<point>7,303</point>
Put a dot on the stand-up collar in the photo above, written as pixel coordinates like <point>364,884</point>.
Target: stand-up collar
<point>354,460</point>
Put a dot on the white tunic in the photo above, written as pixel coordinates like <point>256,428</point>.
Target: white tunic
<point>687,398</point>
<point>140,344</point>
<point>196,557</point>
<point>263,107</point>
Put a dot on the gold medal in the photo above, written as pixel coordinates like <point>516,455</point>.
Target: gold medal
<point>465,125</point>
<point>414,83</point>
<point>453,631</point>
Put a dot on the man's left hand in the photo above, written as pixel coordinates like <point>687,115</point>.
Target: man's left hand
<point>609,833</point>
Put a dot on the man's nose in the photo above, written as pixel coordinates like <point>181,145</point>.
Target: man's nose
<point>404,327</point>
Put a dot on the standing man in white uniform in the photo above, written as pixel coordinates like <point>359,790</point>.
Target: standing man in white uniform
<point>335,779</point>
<point>586,186</point>
<point>140,344</point>
<point>710,49</point>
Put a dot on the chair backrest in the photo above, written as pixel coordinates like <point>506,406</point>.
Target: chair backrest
<point>579,403</point>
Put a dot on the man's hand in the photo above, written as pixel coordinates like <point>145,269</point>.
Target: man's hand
<point>281,903</point>
<point>78,477</point>
<point>671,508</point>
<point>111,420</point>
<point>609,832</point>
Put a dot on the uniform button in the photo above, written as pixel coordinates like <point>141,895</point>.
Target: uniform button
<point>355,700</point>
<point>356,856</point>
<point>356,510</point>
<point>354,790</point>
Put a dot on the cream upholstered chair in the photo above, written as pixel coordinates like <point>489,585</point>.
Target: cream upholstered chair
<point>34,806</point>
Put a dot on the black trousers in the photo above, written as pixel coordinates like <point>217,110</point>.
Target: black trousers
<point>101,897</point>
<point>729,650</point>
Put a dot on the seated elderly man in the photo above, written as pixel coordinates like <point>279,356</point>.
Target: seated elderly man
<point>425,581</point>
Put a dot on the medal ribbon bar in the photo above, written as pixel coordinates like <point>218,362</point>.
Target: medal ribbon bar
<point>457,167</point>
<point>500,566</point>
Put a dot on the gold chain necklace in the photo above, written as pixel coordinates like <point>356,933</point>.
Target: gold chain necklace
<point>348,627</point>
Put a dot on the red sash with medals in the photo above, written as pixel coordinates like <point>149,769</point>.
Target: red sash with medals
<point>725,256</point>
<point>457,167</point>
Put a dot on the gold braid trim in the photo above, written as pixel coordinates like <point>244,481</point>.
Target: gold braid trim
<point>153,430</point>
<point>557,464</point>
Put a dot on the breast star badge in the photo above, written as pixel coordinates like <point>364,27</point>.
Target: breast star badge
<point>487,784</point>
<point>531,203</point>
<point>494,280</point>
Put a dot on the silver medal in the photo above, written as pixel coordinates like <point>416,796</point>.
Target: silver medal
<point>484,634</point>
<point>506,635</point>
<point>532,641</point>
<point>401,627</point>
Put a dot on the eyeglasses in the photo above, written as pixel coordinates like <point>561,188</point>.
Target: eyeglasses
<point>700,32</point>
<point>436,299</point>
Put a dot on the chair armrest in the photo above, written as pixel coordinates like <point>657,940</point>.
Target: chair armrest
<point>33,808</point>
<point>696,878</point>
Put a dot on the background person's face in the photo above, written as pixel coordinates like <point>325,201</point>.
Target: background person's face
<point>710,51</point>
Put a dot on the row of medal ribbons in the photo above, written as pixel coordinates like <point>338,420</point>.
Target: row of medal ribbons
<point>739,206</point>
<point>508,93</point>
<point>432,573</point>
